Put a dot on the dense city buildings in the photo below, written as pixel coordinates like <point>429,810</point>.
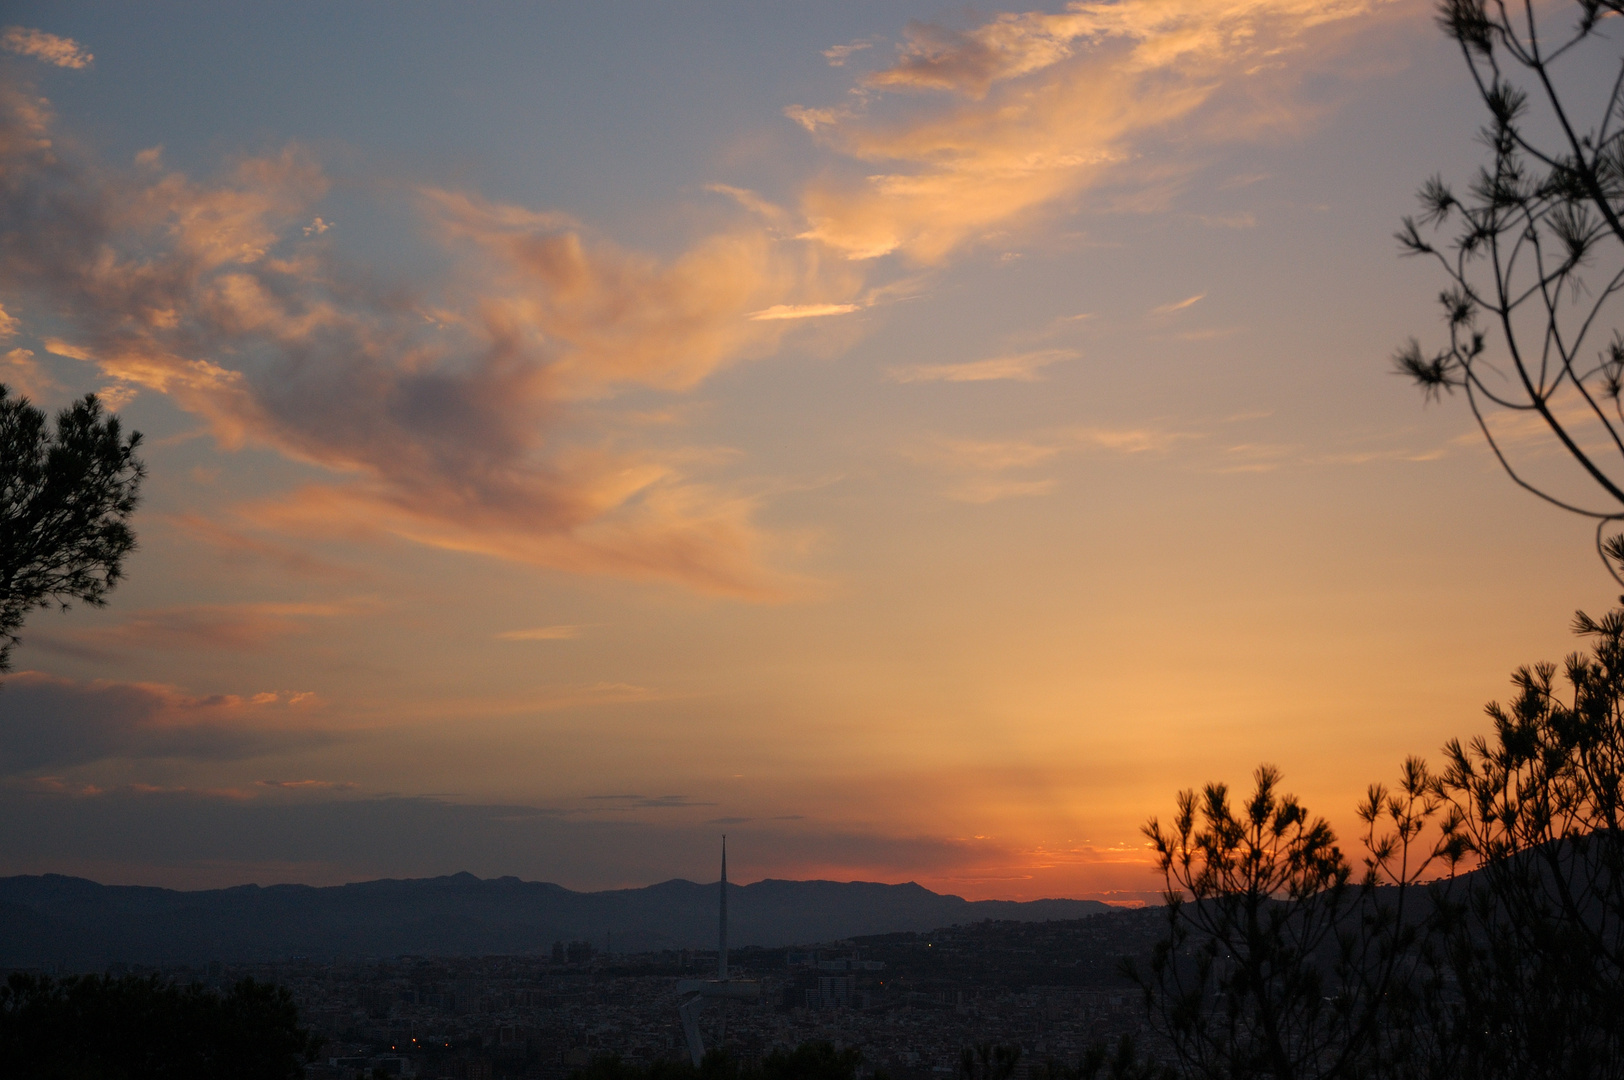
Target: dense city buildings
<point>909,1002</point>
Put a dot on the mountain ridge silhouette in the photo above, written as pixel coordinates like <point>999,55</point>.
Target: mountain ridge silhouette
<point>79,924</point>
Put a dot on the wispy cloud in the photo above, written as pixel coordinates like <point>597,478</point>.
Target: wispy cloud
<point>541,633</point>
<point>60,51</point>
<point>1015,116</point>
<point>1020,367</point>
<point>20,371</point>
<point>800,311</point>
<point>1010,45</point>
<point>1242,220</point>
<point>982,471</point>
<point>238,546</point>
<point>837,55</point>
<point>647,802</point>
<point>53,723</point>
<point>986,489</point>
<point>983,455</point>
<point>1256,457</point>
<point>1366,457</point>
<point>433,406</point>
<point>309,785</point>
<point>208,627</point>
<point>1179,305</point>
<point>1137,440</point>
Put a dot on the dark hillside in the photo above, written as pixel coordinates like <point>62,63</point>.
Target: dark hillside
<point>79,924</point>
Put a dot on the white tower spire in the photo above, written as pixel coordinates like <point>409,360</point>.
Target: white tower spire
<point>695,992</point>
<point>721,947</point>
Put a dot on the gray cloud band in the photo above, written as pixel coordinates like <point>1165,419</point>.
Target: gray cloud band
<point>49,724</point>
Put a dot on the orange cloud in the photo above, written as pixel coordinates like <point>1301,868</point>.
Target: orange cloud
<point>607,517</point>
<point>540,633</point>
<point>439,411</point>
<point>620,318</point>
<point>1179,305</point>
<point>837,55</point>
<point>210,627</point>
<point>52,723</point>
<point>1021,367</point>
<point>20,371</point>
<point>237,545</point>
<point>980,469</point>
<point>1027,110</point>
<point>298,785</point>
<point>800,311</point>
<point>60,51</point>
<point>1009,45</point>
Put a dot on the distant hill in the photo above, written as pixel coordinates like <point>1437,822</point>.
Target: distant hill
<point>80,924</point>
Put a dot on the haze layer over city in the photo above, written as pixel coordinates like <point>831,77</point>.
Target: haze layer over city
<point>914,440</point>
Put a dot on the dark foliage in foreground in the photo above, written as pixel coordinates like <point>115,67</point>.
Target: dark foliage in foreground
<point>810,1061</point>
<point>819,1060</point>
<point>1534,948</point>
<point>1102,1061</point>
<point>66,497</point>
<point>1532,252</point>
<point>1276,963</point>
<point>141,1028</point>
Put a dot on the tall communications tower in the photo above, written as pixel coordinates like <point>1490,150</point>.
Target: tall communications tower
<point>695,992</point>
<point>721,938</point>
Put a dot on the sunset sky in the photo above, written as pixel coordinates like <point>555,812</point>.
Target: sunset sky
<point>914,440</point>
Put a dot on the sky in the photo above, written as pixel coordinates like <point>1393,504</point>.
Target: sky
<point>914,440</point>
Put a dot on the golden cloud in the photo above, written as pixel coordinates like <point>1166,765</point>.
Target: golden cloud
<point>209,627</point>
<point>978,469</point>
<point>540,633</point>
<point>1020,367</point>
<point>1027,110</point>
<point>20,371</point>
<point>437,413</point>
<point>59,51</point>
<point>616,317</point>
<point>53,723</point>
<point>800,311</point>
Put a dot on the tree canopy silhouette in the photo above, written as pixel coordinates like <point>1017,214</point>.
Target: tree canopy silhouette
<point>1535,945</point>
<point>1277,963</point>
<point>815,1060</point>
<point>1535,255</point>
<point>66,496</point>
<point>142,1028</point>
